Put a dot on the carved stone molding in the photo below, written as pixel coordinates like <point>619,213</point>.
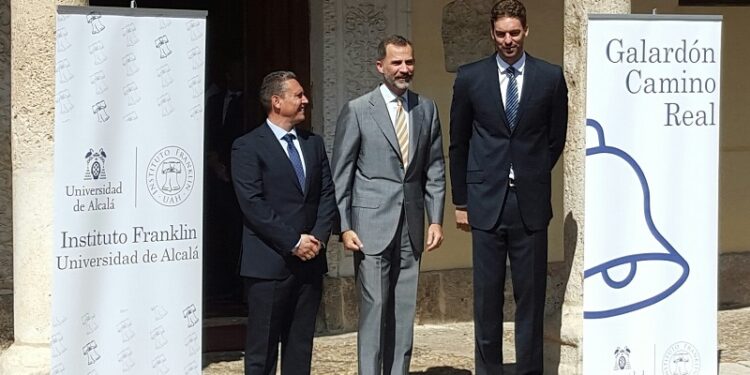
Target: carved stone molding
<point>364,25</point>
<point>465,32</point>
<point>352,30</point>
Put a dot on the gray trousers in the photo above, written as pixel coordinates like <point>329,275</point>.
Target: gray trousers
<point>388,297</point>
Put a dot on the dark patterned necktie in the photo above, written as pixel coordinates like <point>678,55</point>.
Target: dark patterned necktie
<point>511,100</point>
<point>295,159</point>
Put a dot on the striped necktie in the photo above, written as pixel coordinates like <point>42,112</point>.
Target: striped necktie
<point>402,131</point>
<point>511,100</point>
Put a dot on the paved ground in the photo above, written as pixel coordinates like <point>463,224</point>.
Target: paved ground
<point>448,350</point>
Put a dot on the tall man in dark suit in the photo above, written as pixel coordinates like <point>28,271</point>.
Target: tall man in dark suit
<point>284,187</point>
<point>508,125</point>
<point>389,171</point>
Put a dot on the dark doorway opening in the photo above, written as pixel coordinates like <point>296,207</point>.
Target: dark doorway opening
<point>245,40</point>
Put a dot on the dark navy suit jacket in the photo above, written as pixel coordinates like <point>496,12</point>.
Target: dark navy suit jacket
<point>482,146</point>
<point>275,209</point>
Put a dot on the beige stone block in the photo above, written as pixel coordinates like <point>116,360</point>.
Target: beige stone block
<point>428,298</point>
<point>458,295</point>
<point>734,335</point>
<point>557,282</point>
<point>734,182</point>
<point>509,306</point>
<point>25,360</point>
<point>331,310</point>
<point>350,302</point>
<point>734,288</point>
<point>6,319</point>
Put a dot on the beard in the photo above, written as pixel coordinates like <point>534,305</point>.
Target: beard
<point>401,83</point>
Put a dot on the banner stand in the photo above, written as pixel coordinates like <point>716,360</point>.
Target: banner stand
<point>652,178</point>
<point>127,268</point>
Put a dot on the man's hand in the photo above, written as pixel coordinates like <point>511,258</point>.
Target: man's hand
<point>434,237</point>
<point>308,248</point>
<point>462,219</point>
<point>351,241</point>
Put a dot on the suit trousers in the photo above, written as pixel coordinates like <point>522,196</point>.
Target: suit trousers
<point>388,297</point>
<point>527,251</point>
<point>281,311</point>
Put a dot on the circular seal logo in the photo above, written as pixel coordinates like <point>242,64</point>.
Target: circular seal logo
<point>170,176</point>
<point>682,358</point>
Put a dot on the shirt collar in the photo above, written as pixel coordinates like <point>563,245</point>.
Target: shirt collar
<point>278,131</point>
<point>518,65</point>
<point>389,96</point>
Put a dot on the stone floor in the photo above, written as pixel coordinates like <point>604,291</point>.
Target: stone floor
<point>448,349</point>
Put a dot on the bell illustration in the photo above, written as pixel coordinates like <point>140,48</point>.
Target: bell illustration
<point>629,265</point>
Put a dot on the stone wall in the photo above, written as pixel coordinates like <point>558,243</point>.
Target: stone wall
<point>345,37</point>
<point>6,223</point>
<point>446,296</point>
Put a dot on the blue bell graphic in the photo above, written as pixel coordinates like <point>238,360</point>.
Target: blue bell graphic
<point>632,266</point>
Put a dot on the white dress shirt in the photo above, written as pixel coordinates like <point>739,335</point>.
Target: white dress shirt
<point>519,66</point>
<point>391,103</point>
<point>280,133</point>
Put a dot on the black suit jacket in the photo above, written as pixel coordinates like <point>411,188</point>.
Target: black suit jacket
<point>482,146</point>
<point>275,210</point>
<point>222,130</point>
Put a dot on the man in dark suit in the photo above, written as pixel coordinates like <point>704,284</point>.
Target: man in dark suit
<point>508,125</point>
<point>283,184</point>
<point>225,118</point>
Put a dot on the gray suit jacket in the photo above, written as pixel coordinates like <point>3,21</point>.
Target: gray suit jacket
<point>370,181</point>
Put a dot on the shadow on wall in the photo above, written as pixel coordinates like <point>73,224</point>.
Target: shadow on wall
<point>6,321</point>
<point>6,225</point>
<point>557,284</point>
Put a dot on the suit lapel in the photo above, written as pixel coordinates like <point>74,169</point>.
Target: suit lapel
<point>308,153</point>
<point>495,96</point>
<point>529,77</point>
<point>379,113</point>
<point>417,119</point>
<point>277,153</point>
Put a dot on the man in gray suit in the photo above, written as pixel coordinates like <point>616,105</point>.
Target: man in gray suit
<point>388,170</point>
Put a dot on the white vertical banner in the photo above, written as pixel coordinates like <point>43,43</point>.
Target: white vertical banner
<point>128,191</point>
<point>652,176</point>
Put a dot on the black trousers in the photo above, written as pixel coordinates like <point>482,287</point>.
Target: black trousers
<point>527,251</point>
<point>281,311</point>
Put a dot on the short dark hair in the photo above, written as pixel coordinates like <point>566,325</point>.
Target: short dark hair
<point>508,8</point>
<point>396,40</point>
<point>274,83</point>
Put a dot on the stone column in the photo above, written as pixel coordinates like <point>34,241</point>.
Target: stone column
<point>575,44</point>
<point>6,224</point>
<point>32,24</point>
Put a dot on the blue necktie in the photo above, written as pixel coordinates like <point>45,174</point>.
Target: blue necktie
<point>511,100</point>
<point>295,159</point>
